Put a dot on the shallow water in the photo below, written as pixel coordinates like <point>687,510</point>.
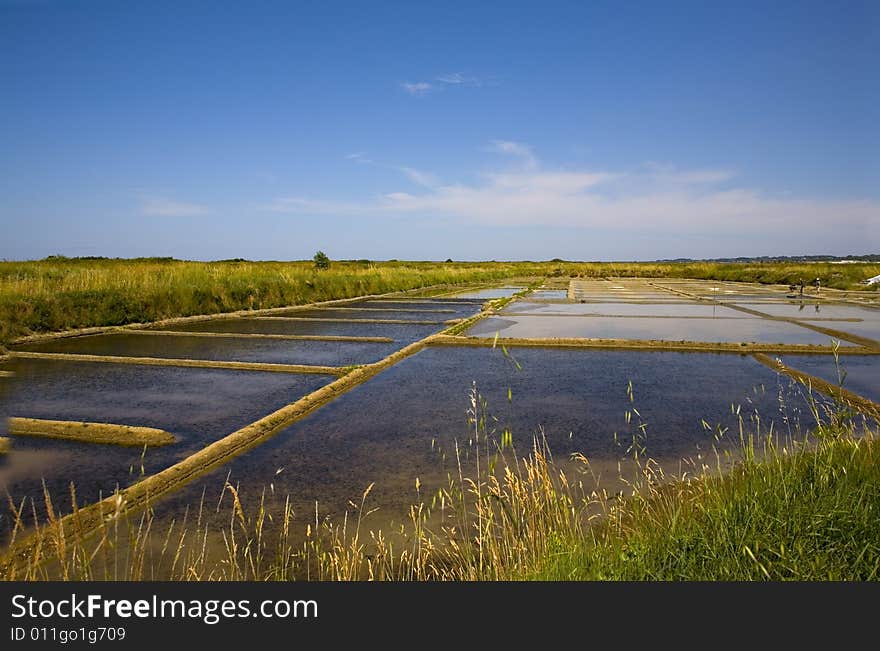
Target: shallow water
<point>549,293</point>
<point>363,313</point>
<point>862,371</point>
<point>495,292</point>
<point>383,431</point>
<point>745,295</point>
<point>321,353</point>
<point>867,326</point>
<point>715,287</point>
<point>669,329</point>
<point>199,406</point>
<point>458,306</point>
<point>6,384</point>
<point>402,333</point>
<point>690,309</point>
<point>624,298</point>
<point>624,295</point>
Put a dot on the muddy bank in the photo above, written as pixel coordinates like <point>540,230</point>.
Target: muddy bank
<point>642,344</point>
<point>103,433</point>
<point>256,335</point>
<point>191,363</point>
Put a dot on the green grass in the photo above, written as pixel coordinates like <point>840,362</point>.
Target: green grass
<point>64,293</point>
<point>838,276</point>
<point>805,514</point>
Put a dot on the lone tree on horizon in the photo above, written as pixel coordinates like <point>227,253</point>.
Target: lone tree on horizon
<point>321,260</point>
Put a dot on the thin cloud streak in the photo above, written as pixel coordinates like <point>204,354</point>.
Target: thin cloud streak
<point>516,149</point>
<point>418,177</point>
<point>440,82</point>
<point>458,79</point>
<point>418,88</point>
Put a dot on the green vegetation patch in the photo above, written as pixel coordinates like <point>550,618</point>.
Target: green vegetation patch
<point>807,514</point>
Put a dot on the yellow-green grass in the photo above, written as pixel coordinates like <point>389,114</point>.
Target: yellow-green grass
<point>5,444</point>
<point>104,433</point>
<point>802,513</point>
<point>61,294</point>
<point>58,294</point>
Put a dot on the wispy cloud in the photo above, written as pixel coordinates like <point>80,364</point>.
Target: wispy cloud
<point>359,157</point>
<point>417,88</point>
<point>152,206</point>
<point>669,173</point>
<point>652,199</point>
<point>519,150</point>
<point>418,177</point>
<point>440,82</point>
<point>459,79</point>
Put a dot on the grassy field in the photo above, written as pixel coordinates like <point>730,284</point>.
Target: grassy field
<point>51,295</point>
<point>762,509</point>
<point>63,293</point>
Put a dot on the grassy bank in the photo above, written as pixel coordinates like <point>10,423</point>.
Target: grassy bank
<point>760,510</point>
<point>807,514</point>
<point>51,295</point>
<point>838,276</point>
<point>63,293</point>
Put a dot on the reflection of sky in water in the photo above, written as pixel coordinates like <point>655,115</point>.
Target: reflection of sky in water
<point>867,325</point>
<point>670,329</point>
<point>625,309</point>
<point>862,371</point>
<point>197,405</point>
<point>497,292</point>
<point>320,353</point>
<point>398,332</point>
<point>388,430</point>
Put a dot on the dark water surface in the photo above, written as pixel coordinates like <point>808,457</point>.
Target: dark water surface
<point>321,353</point>
<point>399,425</point>
<point>404,333</point>
<point>199,406</point>
<point>683,309</point>
<point>862,371</point>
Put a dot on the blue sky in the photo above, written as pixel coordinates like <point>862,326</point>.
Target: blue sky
<point>580,130</point>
